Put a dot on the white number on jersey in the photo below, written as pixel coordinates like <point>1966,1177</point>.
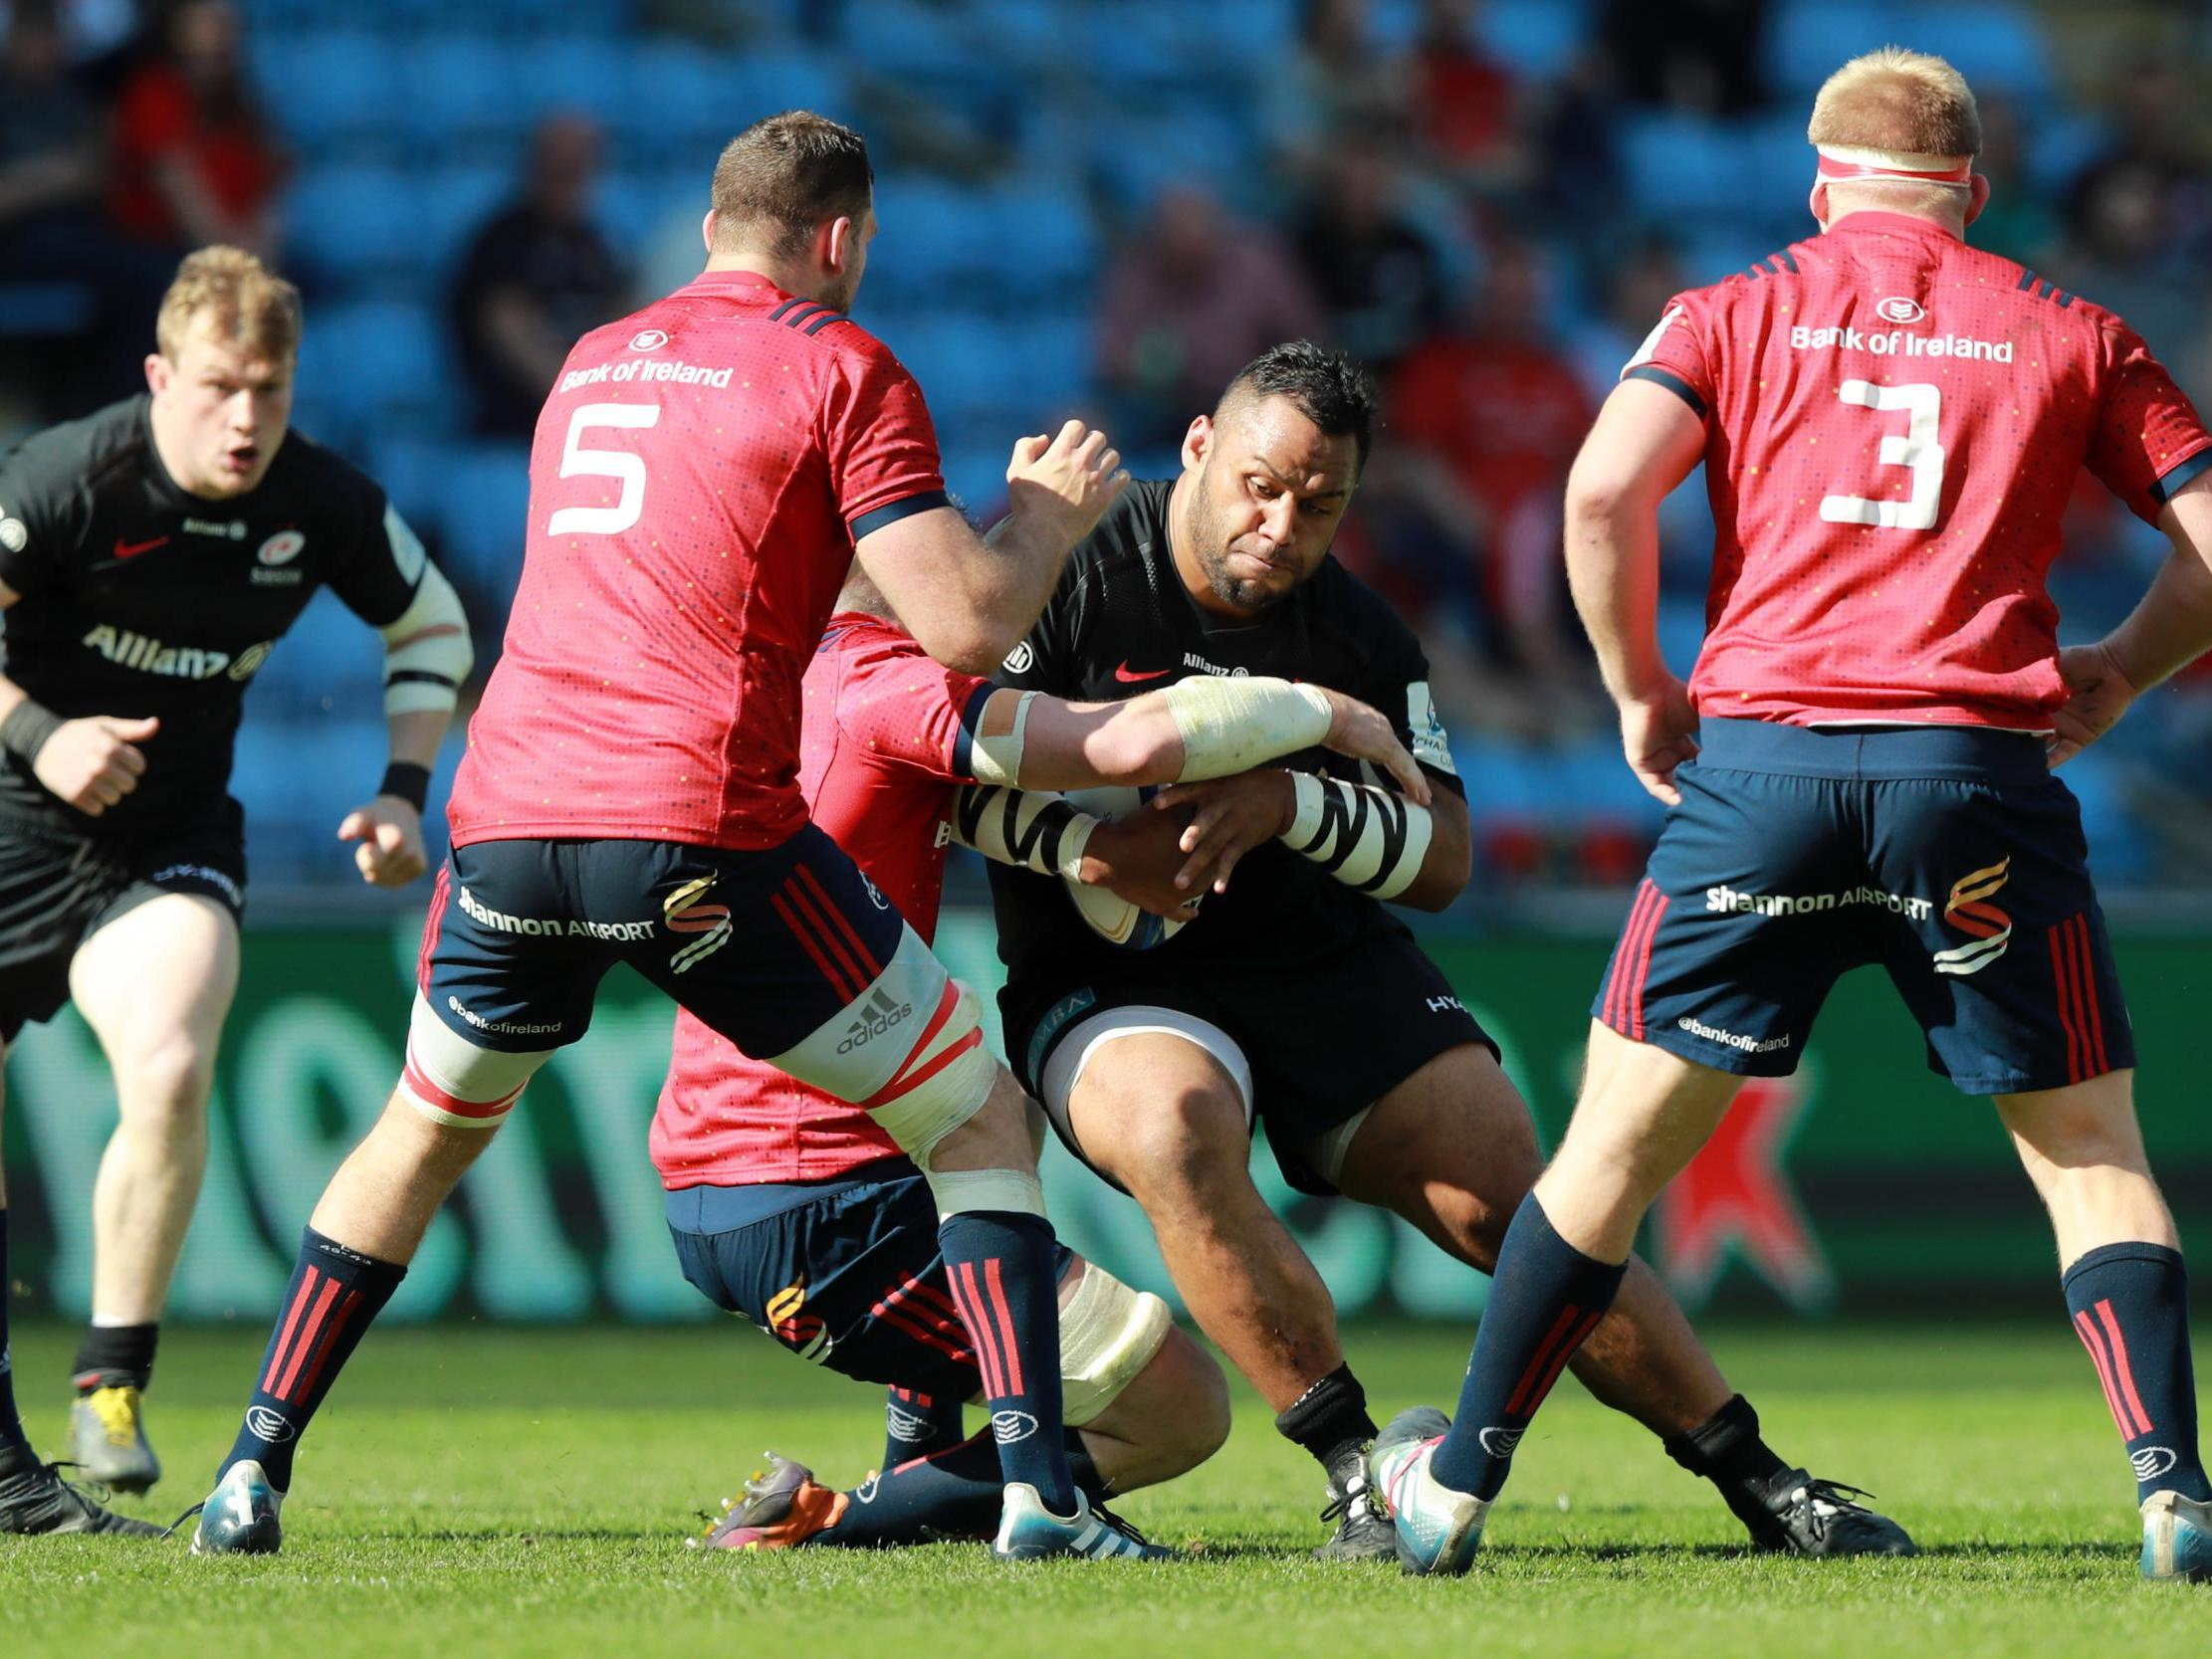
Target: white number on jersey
<point>577,460</point>
<point>1916,448</point>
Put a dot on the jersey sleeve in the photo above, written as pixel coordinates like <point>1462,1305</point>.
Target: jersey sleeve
<point>1395,680</point>
<point>1675,354</point>
<point>905,710</point>
<point>2149,440</point>
<point>881,445</point>
<point>378,582</point>
<point>39,509</point>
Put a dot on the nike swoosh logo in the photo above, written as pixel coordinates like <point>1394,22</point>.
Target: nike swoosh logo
<point>1129,675</point>
<point>131,549</point>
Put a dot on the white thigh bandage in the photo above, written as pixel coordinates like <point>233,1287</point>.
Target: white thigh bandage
<point>909,1050</point>
<point>1108,1335</point>
<point>450,1081</point>
<point>1368,838</point>
<point>1231,724</point>
<point>1072,1055</point>
<point>1324,1153</point>
<point>960,1191</point>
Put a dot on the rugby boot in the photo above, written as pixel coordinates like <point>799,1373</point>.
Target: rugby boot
<point>1806,1517</point>
<point>107,1438</point>
<point>2177,1538</point>
<point>1361,1534</point>
<point>1438,1529</point>
<point>239,1517</point>
<point>1028,1532</point>
<point>35,1499</point>
<point>783,1505</point>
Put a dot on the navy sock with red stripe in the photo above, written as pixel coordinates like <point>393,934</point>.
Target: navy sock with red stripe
<point>1545,1298</point>
<point>918,1425</point>
<point>953,1492</point>
<point>2130,1308</point>
<point>335,1293</point>
<point>1006,1283</point>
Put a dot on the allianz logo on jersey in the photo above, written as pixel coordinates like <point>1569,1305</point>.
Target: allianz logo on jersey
<point>129,649</point>
<point>1190,659</point>
<point>1896,342</point>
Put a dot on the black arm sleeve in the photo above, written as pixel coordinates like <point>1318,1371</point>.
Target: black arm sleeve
<point>42,513</point>
<point>378,582</point>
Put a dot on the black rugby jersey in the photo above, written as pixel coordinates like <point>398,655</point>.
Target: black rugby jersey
<point>136,598</point>
<point>1120,624</point>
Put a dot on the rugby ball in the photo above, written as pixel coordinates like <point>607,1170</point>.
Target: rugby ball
<point>1107,914</point>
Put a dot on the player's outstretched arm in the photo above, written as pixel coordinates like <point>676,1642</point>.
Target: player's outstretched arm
<point>1645,441</point>
<point>2170,629</point>
<point>1369,838</point>
<point>966,598</point>
<point>1208,726</point>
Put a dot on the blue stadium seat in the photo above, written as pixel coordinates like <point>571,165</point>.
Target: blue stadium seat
<point>354,222</point>
<point>1996,47</point>
<point>451,203</point>
<point>329,87</point>
<point>389,356</point>
<point>572,74</point>
<point>328,659</point>
<point>466,85</point>
<point>1808,39</point>
<point>417,474</point>
<point>1679,165</point>
<point>486,517</point>
<point>1537,39</point>
<point>1044,237</point>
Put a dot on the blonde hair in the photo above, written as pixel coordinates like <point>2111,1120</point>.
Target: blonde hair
<point>249,305</point>
<point>1895,99</point>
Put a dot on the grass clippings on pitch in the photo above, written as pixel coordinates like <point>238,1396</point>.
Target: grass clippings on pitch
<point>476,1493</point>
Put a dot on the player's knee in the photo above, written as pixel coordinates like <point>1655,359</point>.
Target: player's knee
<point>1194,1403</point>
<point>453,1084</point>
<point>1189,1142</point>
<point>163,1082</point>
<point>1125,1367</point>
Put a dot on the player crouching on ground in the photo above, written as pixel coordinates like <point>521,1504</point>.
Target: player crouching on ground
<point>796,1209</point>
<point>1877,693</point>
<point>150,556</point>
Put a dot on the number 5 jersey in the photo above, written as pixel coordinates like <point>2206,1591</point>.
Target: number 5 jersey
<point>1895,421</point>
<point>700,472</point>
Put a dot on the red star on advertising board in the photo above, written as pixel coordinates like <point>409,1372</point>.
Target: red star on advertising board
<point>1736,1200</point>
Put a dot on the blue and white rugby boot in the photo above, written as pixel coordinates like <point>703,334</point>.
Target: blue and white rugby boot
<point>2177,1538</point>
<point>1028,1532</point>
<point>238,1517</point>
<point>1438,1529</point>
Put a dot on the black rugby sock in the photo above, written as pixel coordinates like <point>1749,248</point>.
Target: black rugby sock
<point>1728,1450</point>
<point>2130,1308</point>
<point>114,1355</point>
<point>15,1445</point>
<point>1330,1420</point>
<point>335,1293</point>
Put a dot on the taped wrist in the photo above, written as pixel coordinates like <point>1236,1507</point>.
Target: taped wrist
<point>1032,829</point>
<point>997,758</point>
<point>28,725</point>
<point>1231,724</point>
<point>1366,837</point>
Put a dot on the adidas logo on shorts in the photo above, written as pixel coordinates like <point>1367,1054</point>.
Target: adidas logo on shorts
<point>879,1015</point>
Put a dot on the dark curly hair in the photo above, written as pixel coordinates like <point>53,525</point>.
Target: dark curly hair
<point>1329,387</point>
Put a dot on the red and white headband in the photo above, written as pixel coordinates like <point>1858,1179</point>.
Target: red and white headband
<point>1840,163</point>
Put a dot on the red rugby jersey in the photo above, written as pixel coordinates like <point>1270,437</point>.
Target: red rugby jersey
<point>1894,423</point>
<point>885,745</point>
<point>700,472</point>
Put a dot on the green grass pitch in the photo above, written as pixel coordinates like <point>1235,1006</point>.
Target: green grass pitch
<point>480,1491</point>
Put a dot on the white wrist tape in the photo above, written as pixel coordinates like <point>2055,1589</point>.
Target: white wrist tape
<point>997,759</point>
<point>426,674</point>
<point>1032,829</point>
<point>1231,724</point>
<point>1367,838</point>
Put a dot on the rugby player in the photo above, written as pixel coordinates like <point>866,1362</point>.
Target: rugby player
<point>705,472</point>
<point>1297,996</point>
<point>151,555</point>
<point>797,1211</point>
<point>1891,423</point>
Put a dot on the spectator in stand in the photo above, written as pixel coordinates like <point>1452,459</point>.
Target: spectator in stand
<point>1337,80</point>
<point>1697,55</point>
<point>75,299</point>
<point>1191,297</point>
<point>2019,222</point>
<point>537,277</point>
<point>1378,276</point>
<point>2123,245</point>
<point>1639,280</point>
<point>195,158</point>
<point>1504,410</point>
<point>1463,104</point>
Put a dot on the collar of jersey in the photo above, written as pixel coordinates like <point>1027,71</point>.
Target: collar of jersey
<point>1895,224</point>
<point>726,282</point>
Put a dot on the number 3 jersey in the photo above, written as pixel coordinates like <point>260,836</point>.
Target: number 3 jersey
<point>700,472</point>
<point>1895,421</point>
